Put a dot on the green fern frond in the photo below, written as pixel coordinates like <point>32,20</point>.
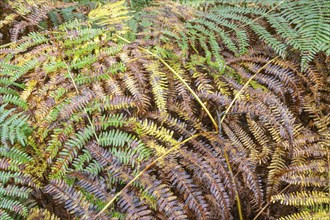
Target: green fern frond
<point>13,127</point>
<point>13,206</point>
<point>311,26</point>
<point>115,138</point>
<point>15,186</point>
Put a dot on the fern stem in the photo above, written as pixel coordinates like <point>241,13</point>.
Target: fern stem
<point>85,111</point>
<point>180,78</point>
<point>328,169</point>
<point>268,203</point>
<point>239,206</point>
<point>147,167</point>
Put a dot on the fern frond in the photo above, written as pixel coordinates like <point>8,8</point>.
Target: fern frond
<point>193,197</point>
<point>158,82</point>
<point>311,27</point>
<point>14,127</point>
<point>135,209</point>
<point>136,90</point>
<point>91,184</point>
<point>13,206</point>
<point>302,198</point>
<point>213,181</point>
<point>112,15</point>
<point>74,201</point>
<point>322,214</point>
<point>15,186</point>
<point>36,213</point>
<point>166,201</point>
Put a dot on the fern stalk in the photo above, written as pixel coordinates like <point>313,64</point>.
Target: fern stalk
<point>268,203</point>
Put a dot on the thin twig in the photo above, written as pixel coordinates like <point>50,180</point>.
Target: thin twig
<point>268,203</point>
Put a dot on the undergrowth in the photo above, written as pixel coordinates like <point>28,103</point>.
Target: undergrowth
<point>164,110</point>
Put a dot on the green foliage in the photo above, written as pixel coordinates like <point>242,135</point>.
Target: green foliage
<point>311,23</point>
<point>21,17</point>
<point>105,111</point>
<point>15,186</point>
<point>282,25</point>
<point>13,128</point>
<point>138,5</point>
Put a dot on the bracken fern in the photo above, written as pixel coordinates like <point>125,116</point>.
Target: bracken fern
<point>201,115</point>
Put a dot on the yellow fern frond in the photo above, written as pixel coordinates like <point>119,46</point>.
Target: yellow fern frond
<point>319,215</point>
<point>39,213</point>
<point>158,81</point>
<point>303,198</point>
<point>159,149</point>
<point>29,88</point>
<point>8,19</point>
<point>150,128</point>
<point>112,15</point>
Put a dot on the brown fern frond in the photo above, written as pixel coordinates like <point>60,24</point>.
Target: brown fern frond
<point>167,202</point>
<point>136,90</point>
<point>92,184</point>
<point>73,199</point>
<point>193,197</point>
<point>212,181</point>
<point>77,103</point>
<point>24,16</point>
<point>113,87</point>
<point>102,156</point>
<point>134,208</point>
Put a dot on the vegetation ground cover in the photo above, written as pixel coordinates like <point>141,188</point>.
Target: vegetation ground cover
<point>164,109</point>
